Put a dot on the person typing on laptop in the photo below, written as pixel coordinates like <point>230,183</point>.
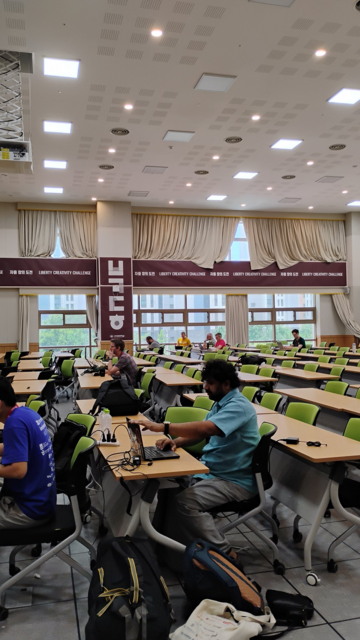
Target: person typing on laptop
<point>233,434</point>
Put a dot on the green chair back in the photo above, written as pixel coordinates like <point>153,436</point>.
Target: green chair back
<point>185,354</point>
<point>84,444</point>
<point>209,356</point>
<point>114,360</point>
<point>168,364</point>
<point>188,414</point>
<point>271,400</point>
<point>36,405</point>
<point>280,353</point>
<point>288,363</point>
<point>250,392</point>
<point>270,361</point>
<point>141,355</point>
<point>136,354</point>
<point>31,399</point>
<point>148,358</point>
<point>266,428</point>
<point>337,371</point>
<point>154,359</point>
<point>140,393</point>
<point>357,394</point>
<point>15,363</point>
<point>267,372</point>
<point>156,350</point>
<point>352,429</point>
<point>221,356</point>
<point>15,356</point>
<point>145,384</point>
<point>336,386</point>
<point>48,354</point>
<point>78,353</point>
<point>249,368</point>
<point>324,359</point>
<point>303,411</point>
<point>67,368</point>
<point>84,419</point>
<point>304,350</point>
<point>203,402</point>
<point>179,368</point>
<point>100,355</point>
<point>311,366</point>
<point>45,361</point>
<point>319,352</point>
<point>190,372</point>
<point>322,345</point>
<point>343,361</point>
<point>334,348</point>
<point>197,375</point>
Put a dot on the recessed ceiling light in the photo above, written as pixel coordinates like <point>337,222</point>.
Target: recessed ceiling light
<point>128,106</point>
<point>233,140</point>
<point>100,179</point>
<point>216,198</point>
<point>188,184</point>
<point>320,53</point>
<point>112,150</point>
<point>345,192</point>
<point>55,164</point>
<point>201,172</point>
<point>243,205</point>
<point>156,33</point>
<point>178,136</point>
<point>255,117</point>
<point>356,203</point>
<point>245,175</point>
<point>53,190</point>
<point>171,201</point>
<point>93,198</point>
<point>310,207</point>
<point>337,147</point>
<point>288,177</point>
<point>310,163</point>
<point>346,96</point>
<point>286,144</point>
<point>61,68</point>
<point>216,157</point>
<point>269,188</point>
<point>214,82</point>
<point>57,127</point>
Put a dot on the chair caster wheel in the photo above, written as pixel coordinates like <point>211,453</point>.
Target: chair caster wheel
<point>312,579</point>
<point>92,564</point>
<point>4,613</point>
<point>279,568</point>
<point>276,520</point>
<point>274,538</point>
<point>103,530</point>
<point>332,566</point>
<point>14,570</point>
<point>86,518</point>
<point>36,551</point>
<point>297,536</point>
<point>327,513</point>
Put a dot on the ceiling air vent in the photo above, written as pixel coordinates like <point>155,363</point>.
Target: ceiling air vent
<point>233,140</point>
<point>330,179</point>
<point>138,194</point>
<point>201,172</point>
<point>118,131</point>
<point>106,167</point>
<point>154,169</point>
<point>290,200</point>
<point>289,177</point>
<point>337,147</point>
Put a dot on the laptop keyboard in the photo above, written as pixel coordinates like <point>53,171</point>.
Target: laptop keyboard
<point>153,452</point>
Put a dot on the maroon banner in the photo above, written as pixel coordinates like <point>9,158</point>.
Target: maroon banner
<point>115,271</point>
<point>47,272</point>
<point>116,313</point>
<point>168,273</point>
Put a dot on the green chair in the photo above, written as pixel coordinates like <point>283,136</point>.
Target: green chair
<point>334,349</point>
<point>203,402</point>
<point>228,352</point>
<point>100,355</point>
<point>31,399</point>
<point>303,411</point>
<point>141,355</point>
<point>188,414</point>
<point>249,368</point>
<point>156,350</point>
<point>136,354</point>
<point>48,354</point>
<point>114,360</point>
<point>289,364</point>
<point>280,352</point>
<point>337,371</point>
<point>358,395</point>
<point>146,384</point>
<point>311,366</point>
<point>267,372</point>
<point>343,361</point>
<point>322,345</point>
<point>148,358</point>
<point>318,352</point>
<point>168,364</point>
<point>221,356</point>
<point>84,419</point>
<point>65,381</point>
<point>15,356</point>
<point>77,353</point>
<point>38,406</point>
<point>324,359</point>
<point>140,393</point>
<point>250,393</point>
<point>15,363</point>
<point>270,361</point>
<point>209,356</point>
<point>335,386</point>
<point>45,361</point>
<point>352,429</point>
<point>344,349</point>
<point>268,351</point>
<point>179,368</point>
<point>154,359</point>
<point>185,354</point>
<point>271,400</point>
<point>190,372</point>
<point>304,350</point>
<point>241,346</point>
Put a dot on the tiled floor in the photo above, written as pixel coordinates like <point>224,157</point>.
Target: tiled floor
<point>56,607</point>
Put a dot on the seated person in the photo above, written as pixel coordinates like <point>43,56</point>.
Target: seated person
<point>183,341</point>
<point>209,341</point>
<point>233,433</point>
<point>298,341</point>
<point>28,495</point>
<point>125,364</point>
<point>153,344</point>
<point>220,343</point>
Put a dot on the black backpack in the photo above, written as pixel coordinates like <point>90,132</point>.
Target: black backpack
<point>252,359</point>
<point>128,598</point>
<point>65,440</point>
<point>117,396</point>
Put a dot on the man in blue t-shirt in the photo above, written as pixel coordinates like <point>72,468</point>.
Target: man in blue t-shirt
<point>232,432</point>
<point>28,495</point>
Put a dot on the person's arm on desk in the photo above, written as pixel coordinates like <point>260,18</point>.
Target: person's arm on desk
<point>186,430</point>
<point>163,443</point>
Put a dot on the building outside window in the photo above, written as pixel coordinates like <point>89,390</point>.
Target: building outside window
<point>63,323</point>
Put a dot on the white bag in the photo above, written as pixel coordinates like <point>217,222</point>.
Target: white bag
<point>213,620</point>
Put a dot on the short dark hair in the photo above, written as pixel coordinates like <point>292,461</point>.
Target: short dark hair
<point>149,338</point>
<point>218,334</point>
<point>119,344</point>
<point>220,371</point>
<point>7,394</point>
<point>295,331</point>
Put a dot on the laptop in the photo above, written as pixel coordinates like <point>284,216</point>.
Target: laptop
<point>146,453</point>
<point>279,344</point>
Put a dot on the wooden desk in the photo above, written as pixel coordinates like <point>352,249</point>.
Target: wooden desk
<point>2,355</point>
<point>63,354</point>
<point>351,374</point>
<point>245,349</point>
<point>30,365</point>
<point>23,375</point>
<point>254,379</point>
<point>175,379</point>
<point>34,355</point>
<point>82,363</point>
<point>177,359</point>
<point>300,379</point>
<point>28,387</point>
<point>141,362</point>
<point>89,381</point>
<point>168,387</point>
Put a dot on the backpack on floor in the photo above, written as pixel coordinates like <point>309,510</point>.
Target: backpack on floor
<point>128,598</point>
<point>210,574</point>
<point>65,440</point>
<point>119,397</point>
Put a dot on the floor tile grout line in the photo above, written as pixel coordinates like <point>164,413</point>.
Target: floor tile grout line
<point>75,604</point>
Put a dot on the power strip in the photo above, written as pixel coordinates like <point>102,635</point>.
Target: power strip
<point>107,444</point>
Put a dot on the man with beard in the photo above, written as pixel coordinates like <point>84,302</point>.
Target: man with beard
<point>232,435</point>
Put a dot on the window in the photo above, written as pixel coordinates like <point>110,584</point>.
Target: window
<point>239,250</point>
<point>58,252</point>
<point>63,323</point>
<point>273,317</point>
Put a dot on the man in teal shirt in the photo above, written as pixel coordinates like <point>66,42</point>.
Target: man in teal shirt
<point>233,434</point>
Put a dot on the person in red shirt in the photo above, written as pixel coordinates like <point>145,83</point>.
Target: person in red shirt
<point>220,343</point>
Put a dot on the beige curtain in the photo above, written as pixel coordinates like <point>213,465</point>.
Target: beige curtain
<point>201,239</point>
<point>346,314</point>
<point>24,322</point>
<point>288,242</point>
<point>37,233</point>
<point>77,232</point>
<point>236,318</point>
<point>92,313</point>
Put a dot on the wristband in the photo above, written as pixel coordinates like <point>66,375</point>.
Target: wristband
<point>166,428</point>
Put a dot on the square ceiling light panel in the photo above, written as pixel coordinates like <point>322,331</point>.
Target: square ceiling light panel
<point>155,170</point>
<point>57,127</point>
<point>178,136</point>
<point>346,96</point>
<point>61,68</point>
<point>244,175</point>
<point>216,198</point>
<point>356,203</point>
<point>277,3</point>
<point>286,144</point>
<point>213,82</point>
<point>53,190</point>
<point>55,164</point>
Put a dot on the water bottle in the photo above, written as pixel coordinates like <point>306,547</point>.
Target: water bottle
<point>107,421</point>
<point>102,421</point>
<point>354,347</point>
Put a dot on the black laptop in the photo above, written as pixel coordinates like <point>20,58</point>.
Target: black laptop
<point>147,454</point>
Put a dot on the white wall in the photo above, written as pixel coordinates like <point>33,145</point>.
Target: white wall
<point>353,254</point>
<point>328,321</point>
<point>9,313</point>
<point>114,229</point>
<point>9,238</point>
